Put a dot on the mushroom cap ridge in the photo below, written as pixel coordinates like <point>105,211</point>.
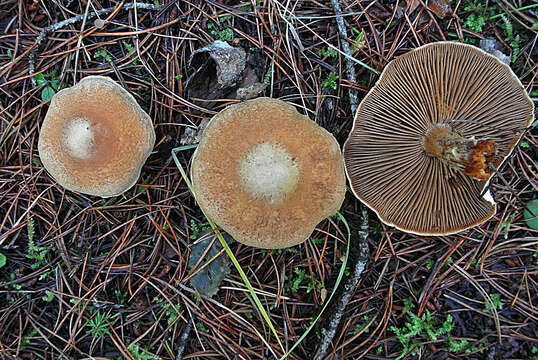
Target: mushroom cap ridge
<point>95,137</point>
<point>248,146</point>
<point>411,88</point>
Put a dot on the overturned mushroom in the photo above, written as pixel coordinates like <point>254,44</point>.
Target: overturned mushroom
<point>431,133</point>
<point>267,174</point>
<point>95,138</point>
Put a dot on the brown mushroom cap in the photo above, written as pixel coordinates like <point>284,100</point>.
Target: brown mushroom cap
<point>95,138</point>
<point>267,174</point>
<point>451,88</point>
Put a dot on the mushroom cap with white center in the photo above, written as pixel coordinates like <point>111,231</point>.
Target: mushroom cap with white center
<point>267,174</point>
<point>95,138</point>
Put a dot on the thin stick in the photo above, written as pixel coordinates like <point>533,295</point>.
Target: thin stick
<point>185,335</point>
<point>350,69</point>
<point>79,42</point>
<point>359,258</point>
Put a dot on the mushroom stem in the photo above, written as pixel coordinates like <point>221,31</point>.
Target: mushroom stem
<point>470,156</point>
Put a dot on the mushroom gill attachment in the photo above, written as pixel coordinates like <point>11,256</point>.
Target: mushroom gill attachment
<point>95,138</point>
<point>267,174</point>
<point>430,134</point>
<point>472,157</point>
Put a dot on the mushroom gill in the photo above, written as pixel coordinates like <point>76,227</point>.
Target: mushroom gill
<point>429,135</point>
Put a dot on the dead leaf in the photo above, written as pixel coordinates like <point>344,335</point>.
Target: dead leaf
<point>441,8</point>
<point>323,294</point>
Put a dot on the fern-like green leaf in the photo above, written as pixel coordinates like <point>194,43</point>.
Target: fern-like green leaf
<point>507,27</point>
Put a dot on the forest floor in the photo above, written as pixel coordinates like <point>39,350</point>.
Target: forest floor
<point>83,277</point>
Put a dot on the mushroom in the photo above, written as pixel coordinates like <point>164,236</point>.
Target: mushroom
<point>430,134</point>
<point>267,174</point>
<point>95,138</point>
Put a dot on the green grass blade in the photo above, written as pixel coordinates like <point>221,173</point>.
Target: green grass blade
<point>227,248</point>
<point>519,9</point>
<point>244,277</point>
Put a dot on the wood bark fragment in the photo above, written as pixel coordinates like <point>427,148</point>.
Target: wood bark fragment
<point>358,260</point>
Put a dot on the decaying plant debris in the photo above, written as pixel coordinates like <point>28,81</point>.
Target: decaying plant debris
<point>82,276</point>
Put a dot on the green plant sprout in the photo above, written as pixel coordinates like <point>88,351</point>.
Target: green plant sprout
<point>139,353</point>
<point>512,41</point>
<point>477,19</point>
<point>35,252</point>
<point>200,326</point>
<point>49,296</point>
<point>331,81</point>
<point>134,56</point>
<point>473,263</point>
<point>426,327</point>
<point>497,303</point>
<point>314,283</point>
<point>267,76</point>
<point>50,82</point>
<point>328,52</point>
<point>506,224</point>
<point>27,338</point>
<point>99,324</point>
<point>430,263</point>
<point>130,48</point>
<point>225,34</point>
<point>378,229</point>
<point>12,277</point>
<point>122,296</point>
<point>534,351</point>
<point>475,22</point>
<point>142,188</point>
<point>365,320</point>
<point>82,304</point>
<point>101,53</point>
<point>198,228</point>
<point>359,41</point>
<point>298,279</point>
<point>171,312</point>
<point>249,6</point>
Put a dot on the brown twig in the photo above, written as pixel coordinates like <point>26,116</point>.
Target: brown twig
<point>360,241</point>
